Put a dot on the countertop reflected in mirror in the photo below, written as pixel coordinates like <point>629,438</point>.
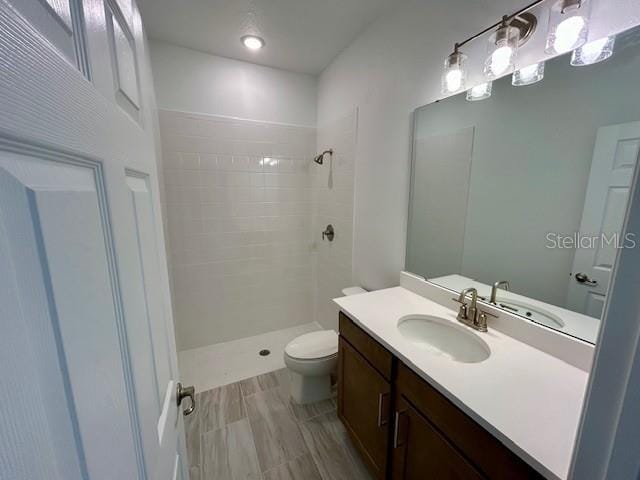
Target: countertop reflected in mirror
<point>530,186</point>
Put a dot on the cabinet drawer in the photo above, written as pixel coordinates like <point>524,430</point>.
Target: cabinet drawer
<point>482,449</point>
<point>376,354</point>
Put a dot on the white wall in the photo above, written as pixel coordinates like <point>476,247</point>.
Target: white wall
<point>393,67</point>
<point>191,81</point>
<point>332,203</point>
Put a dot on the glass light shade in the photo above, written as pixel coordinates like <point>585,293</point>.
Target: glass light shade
<point>528,75</point>
<point>593,52</point>
<point>455,75</point>
<point>479,92</point>
<point>501,54</point>
<point>568,25</point>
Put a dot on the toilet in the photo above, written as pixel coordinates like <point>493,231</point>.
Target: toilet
<point>311,359</point>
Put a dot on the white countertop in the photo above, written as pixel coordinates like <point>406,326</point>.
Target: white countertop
<point>528,399</point>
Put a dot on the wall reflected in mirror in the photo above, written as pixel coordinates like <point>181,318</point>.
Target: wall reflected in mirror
<point>530,187</point>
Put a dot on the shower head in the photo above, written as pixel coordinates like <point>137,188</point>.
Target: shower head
<point>320,158</point>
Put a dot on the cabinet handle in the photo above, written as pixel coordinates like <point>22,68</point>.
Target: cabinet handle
<point>381,422</point>
<point>396,430</point>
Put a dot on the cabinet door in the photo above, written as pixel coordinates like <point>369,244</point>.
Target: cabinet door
<point>363,407</point>
<point>421,452</point>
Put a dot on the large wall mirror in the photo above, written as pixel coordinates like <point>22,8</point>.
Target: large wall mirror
<point>529,188</point>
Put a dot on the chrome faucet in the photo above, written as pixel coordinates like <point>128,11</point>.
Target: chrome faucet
<point>469,313</point>
<point>494,290</point>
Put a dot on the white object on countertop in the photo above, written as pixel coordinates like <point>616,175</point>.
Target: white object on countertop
<point>348,291</point>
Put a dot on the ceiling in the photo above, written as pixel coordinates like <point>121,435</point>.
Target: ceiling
<point>301,35</point>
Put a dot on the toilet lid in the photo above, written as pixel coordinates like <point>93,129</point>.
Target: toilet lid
<point>313,345</point>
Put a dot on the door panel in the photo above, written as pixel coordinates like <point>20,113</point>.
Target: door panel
<point>155,376</point>
<point>148,254</point>
<point>63,220</point>
<point>615,157</point>
<point>61,22</point>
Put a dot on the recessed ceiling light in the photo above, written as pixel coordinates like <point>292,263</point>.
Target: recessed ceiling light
<point>252,42</point>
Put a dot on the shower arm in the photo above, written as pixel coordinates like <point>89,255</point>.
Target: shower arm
<point>320,158</point>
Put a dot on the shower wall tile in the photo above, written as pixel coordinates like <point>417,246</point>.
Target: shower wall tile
<point>332,203</point>
<point>238,213</point>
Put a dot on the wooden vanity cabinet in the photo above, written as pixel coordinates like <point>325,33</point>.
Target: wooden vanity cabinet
<point>421,452</point>
<point>364,394</point>
<point>404,428</point>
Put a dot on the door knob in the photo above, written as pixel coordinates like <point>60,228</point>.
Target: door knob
<point>186,392</point>
<point>584,278</point>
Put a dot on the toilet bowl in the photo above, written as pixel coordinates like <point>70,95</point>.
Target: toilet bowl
<point>311,359</point>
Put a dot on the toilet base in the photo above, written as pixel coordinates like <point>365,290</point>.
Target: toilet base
<point>306,389</point>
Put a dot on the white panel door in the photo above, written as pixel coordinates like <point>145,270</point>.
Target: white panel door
<point>88,369</point>
<point>614,160</point>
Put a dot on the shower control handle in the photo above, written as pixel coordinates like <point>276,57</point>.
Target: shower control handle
<point>328,233</point>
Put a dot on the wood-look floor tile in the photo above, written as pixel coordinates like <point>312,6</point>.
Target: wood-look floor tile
<point>275,430</point>
<point>192,434</point>
<point>220,406</point>
<point>229,453</point>
<point>332,451</point>
<point>302,468</point>
<point>305,412</point>
<point>262,404</point>
<point>258,384</point>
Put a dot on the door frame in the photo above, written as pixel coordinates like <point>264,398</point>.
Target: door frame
<point>606,444</point>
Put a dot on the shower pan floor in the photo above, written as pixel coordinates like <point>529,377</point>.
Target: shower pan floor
<point>224,363</point>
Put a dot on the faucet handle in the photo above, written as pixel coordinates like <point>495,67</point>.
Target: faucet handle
<point>481,320</point>
<point>463,313</point>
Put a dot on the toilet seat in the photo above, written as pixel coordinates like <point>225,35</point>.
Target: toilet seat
<point>313,346</point>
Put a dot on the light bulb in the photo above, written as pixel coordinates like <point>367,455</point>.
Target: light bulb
<point>453,78</point>
<point>593,52</point>
<point>501,53</point>
<point>568,34</point>
<point>479,92</point>
<point>500,60</point>
<point>568,25</point>
<point>528,75</point>
<point>252,42</point>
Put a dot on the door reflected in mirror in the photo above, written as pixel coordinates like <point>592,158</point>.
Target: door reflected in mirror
<point>530,187</point>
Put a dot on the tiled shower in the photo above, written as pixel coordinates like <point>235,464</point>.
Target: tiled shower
<point>244,206</point>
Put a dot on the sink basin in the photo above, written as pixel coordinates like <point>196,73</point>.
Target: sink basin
<point>536,314</point>
<point>443,337</point>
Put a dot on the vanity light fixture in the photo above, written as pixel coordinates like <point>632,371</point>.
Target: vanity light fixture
<point>509,33</point>
<point>528,75</point>
<point>454,76</point>
<point>503,45</point>
<point>568,25</point>
<point>253,42</point>
<point>479,92</point>
<point>593,52</point>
